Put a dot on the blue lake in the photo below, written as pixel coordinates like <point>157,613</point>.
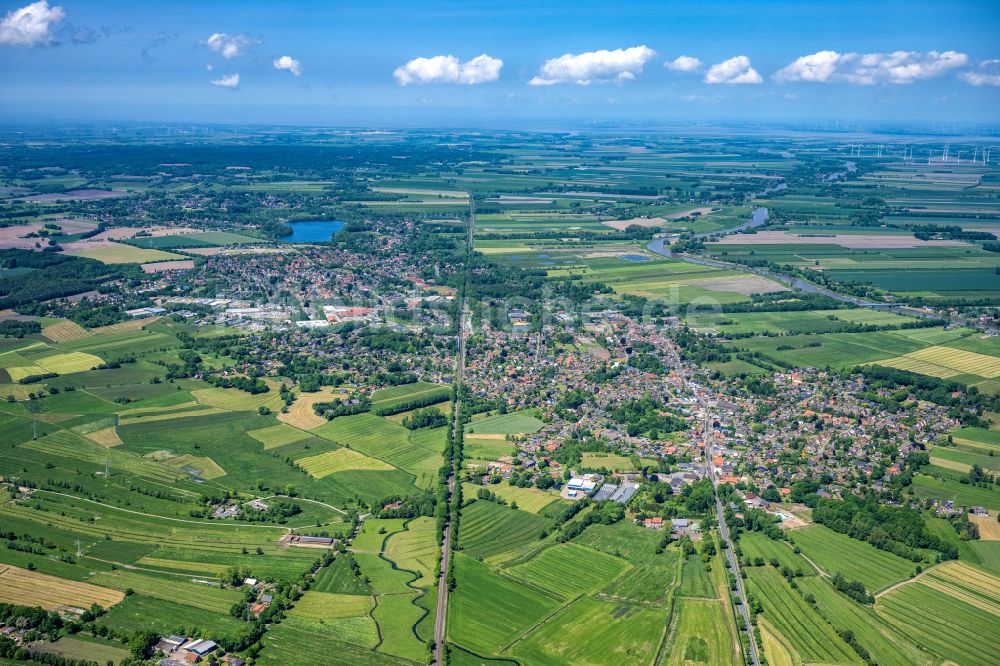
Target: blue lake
<point>314,231</point>
<point>633,257</point>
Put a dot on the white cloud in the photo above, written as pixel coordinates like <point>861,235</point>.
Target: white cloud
<point>735,70</point>
<point>898,67</point>
<point>902,67</point>
<point>230,46</point>
<point>818,67</point>
<point>231,81</point>
<point>594,67</point>
<point>29,25</point>
<point>683,64</point>
<point>289,63</point>
<point>449,69</point>
<point>988,74</point>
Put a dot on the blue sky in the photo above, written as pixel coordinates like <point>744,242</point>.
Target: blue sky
<point>553,62</point>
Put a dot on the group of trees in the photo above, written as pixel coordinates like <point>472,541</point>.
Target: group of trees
<point>966,403</point>
<point>337,407</point>
<point>252,385</point>
<point>646,416</point>
<point>853,589</point>
<point>12,328</point>
<point>54,276</point>
<point>896,529</point>
<point>430,417</point>
<point>408,506</point>
<point>416,402</point>
<point>277,511</point>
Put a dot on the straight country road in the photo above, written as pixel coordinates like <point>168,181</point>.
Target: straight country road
<point>734,565</point>
<point>440,621</point>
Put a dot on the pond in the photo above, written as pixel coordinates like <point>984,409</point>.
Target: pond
<point>313,231</point>
<point>633,257</point>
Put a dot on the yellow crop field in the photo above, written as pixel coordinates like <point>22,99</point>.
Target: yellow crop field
<point>65,331</point>
<point>278,435</point>
<point>119,253</point>
<point>64,364</point>
<point>951,464</point>
<point>207,468</point>
<point>19,391</point>
<point>340,460</point>
<point>30,588</point>
<point>301,415</point>
<point>777,649</point>
<point>989,528</point>
<point>20,372</point>
<point>328,606</point>
<point>961,581</point>
<point>920,367</point>
<point>107,437</point>
<point>960,361</point>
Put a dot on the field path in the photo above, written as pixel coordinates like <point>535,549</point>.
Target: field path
<point>902,583</point>
<point>815,566</point>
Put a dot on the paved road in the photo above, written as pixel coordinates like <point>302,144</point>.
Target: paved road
<point>734,565</point>
<point>440,622</point>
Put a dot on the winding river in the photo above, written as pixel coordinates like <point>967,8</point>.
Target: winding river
<point>758,218</point>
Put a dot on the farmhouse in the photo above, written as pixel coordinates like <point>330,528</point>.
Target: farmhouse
<point>170,644</point>
<point>200,647</point>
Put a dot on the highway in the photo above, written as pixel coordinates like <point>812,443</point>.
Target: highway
<point>464,320</point>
